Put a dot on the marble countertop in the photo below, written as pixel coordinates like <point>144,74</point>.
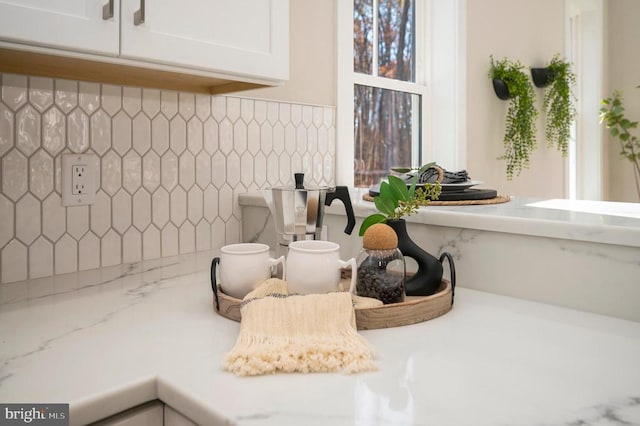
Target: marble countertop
<point>148,330</point>
<point>592,221</point>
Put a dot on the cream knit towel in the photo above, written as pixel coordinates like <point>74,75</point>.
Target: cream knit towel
<point>297,333</point>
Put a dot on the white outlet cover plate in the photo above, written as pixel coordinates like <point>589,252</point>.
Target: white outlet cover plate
<point>89,162</point>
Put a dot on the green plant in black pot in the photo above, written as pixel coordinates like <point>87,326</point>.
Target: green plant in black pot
<point>512,84</point>
<point>612,114</point>
<point>558,103</point>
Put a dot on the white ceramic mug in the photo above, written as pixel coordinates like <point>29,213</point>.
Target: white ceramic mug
<point>243,267</point>
<point>314,266</point>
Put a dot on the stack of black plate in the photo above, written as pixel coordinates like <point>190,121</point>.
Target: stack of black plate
<point>462,191</point>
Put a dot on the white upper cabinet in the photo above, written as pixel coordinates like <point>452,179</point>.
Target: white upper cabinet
<point>242,37</point>
<point>66,24</point>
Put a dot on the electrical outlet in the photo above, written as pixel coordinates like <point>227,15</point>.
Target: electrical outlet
<point>78,179</point>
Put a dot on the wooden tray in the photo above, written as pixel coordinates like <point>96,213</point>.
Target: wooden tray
<point>414,309</point>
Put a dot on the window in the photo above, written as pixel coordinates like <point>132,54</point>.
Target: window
<point>387,99</point>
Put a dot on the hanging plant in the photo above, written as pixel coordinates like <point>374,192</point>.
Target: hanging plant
<point>558,102</point>
<point>512,84</point>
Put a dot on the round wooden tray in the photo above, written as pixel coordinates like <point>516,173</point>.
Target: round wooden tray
<point>414,309</point>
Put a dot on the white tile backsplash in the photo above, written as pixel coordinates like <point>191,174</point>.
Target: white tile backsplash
<point>170,168</point>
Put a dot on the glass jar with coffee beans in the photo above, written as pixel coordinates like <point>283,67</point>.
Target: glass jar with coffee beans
<point>381,266</point>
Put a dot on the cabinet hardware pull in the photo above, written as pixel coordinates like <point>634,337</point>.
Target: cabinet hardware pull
<point>107,10</point>
<point>138,16</point>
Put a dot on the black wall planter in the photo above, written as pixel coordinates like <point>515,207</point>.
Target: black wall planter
<point>542,77</point>
<point>501,89</point>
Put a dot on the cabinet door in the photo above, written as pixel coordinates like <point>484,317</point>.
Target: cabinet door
<point>241,37</point>
<point>69,24</point>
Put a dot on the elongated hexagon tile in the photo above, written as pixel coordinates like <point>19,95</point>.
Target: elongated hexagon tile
<point>178,207</point>
<point>13,260</point>
<point>121,219</point>
<point>301,139</point>
<point>100,132</point>
<point>169,103</point>
<point>194,135</point>
<point>14,175</point>
<point>54,131</point>
<point>178,134</point>
<point>331,136</point>
<point>218,234</point>
<point>66,255</point>
<point>203,236</point>
<point>233,169</point>
<point>272,172</point>
<point>266,138</point>
<point>203,169</point>
<point>246,109</point>
<point>151,171</point>
<point>237,211</point>
<point>246,168</point>
<point>121,133</point>
<point>40,258</point>
<point>210,135</point>
<point>284,168</point>
<point>160,207</point>
<point>6,224</point>
<point>203,106</point>
<point>88,252</point>
<point>77,221</point>
<point>169,170</point>
<point>225,202</point>
<point>328,114</point>
<point>78,131</point>
<point>6,129</point>
<point>132,246</point>
<point>187,238</point>
<point>41,92</point>
<point>89,96</point>
<point>260,169</point>
<point>296,114</point>
<point>317,116</point>
<point>111,173</point>
<point>131,172</point>
<point>226,136</point>
<point>110,249</point>
<point>111,99</point>
<point>151,102</point>
<point>195,205</point>
<point>307,166</point>
<point>187,170</point>
<point>66,94</point>
<point>151,243</point>
<point>312,139</point>
<point>186,104</point>
<point>101,214</point>
<point>284,115</point>
<point>41,174</point>
<point>232,231</point>
<point>307,115</point>
<point>290,138</point>
<point>14,90</point>
<point>323,140</point>
<point>296,163</point>
<point>218,107</point>
<point>160,134</point>
<point>218,169</point>
<point>170,245</point>
<point>53,217</point>
<point>272,112</point>
<point>210,203</point>
<point>141,134</point>
<point>28,130</point>
<point>132,100</point>
<point>240,136</point>
<point>253,137</point>
<point>28,219</point>
<point>318,167</point>
<point>327,169</point>
<point>260,111</point>
<point>141,209</point>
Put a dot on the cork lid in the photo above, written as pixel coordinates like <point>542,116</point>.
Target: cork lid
<point>380,236</point>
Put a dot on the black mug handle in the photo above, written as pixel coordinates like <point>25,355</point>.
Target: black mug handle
<point>214,284</point>
<point>452,270</point>
<point>342,194</point>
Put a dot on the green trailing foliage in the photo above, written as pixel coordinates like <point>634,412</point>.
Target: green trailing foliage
<point>559,105</point>
<point>520,122</point>
<point>396,200</point>
<point>612,115</point>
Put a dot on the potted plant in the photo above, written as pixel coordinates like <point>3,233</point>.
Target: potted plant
<point>612,114</point>
<point>558,103</point>
<point>512,84</point>
<point>396,200</point>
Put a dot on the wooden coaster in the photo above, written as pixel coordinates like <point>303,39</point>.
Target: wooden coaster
<point>497,200</point>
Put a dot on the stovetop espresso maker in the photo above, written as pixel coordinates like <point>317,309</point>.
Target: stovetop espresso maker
<point>298,211</point>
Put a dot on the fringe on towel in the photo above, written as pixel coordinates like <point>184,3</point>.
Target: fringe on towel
<point>298,333</point>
